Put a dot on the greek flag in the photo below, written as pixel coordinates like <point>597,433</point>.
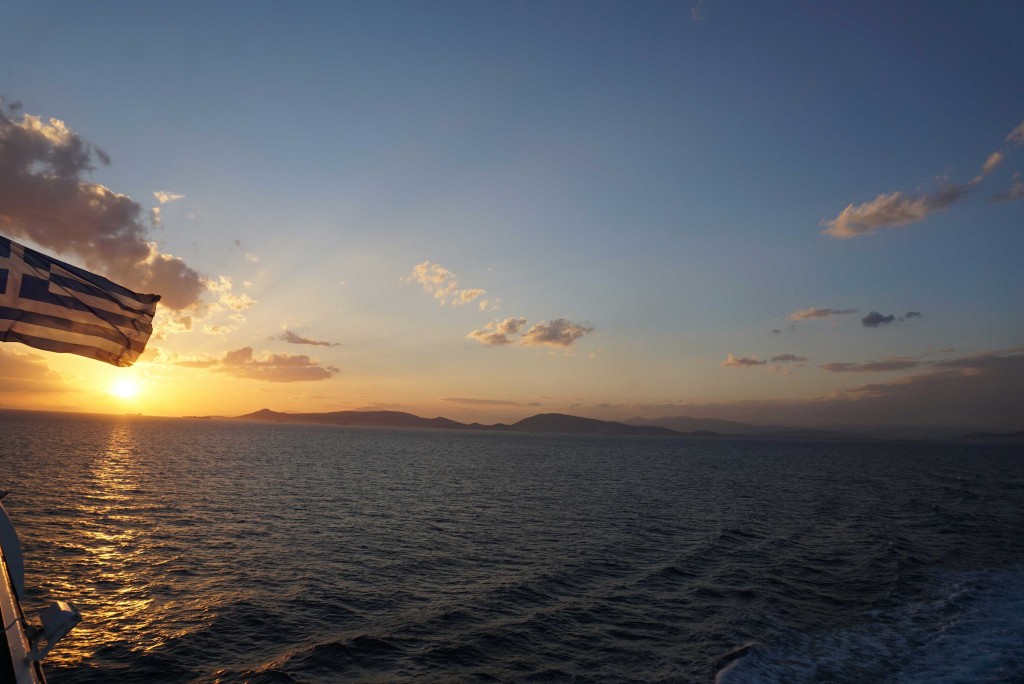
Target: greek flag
<point>50,305</point>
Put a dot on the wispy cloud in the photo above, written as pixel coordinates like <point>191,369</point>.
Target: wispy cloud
<point>742,362</point>
<point>815,312</point>
<point>28,373</point>
<point>1004,358</point>
<point>993,160</point>
<point>163,196</point>
<point>1017,134</point>
<point>978,391</point>
<point>485,402</point>
<point>894,364</point>
<point>895,209</point>
<point>443,286</point>
<point>47,198</point>
<point>788,358</point>
<point>294,338</point>
<point>891,210</point>
<point>1015,192</point>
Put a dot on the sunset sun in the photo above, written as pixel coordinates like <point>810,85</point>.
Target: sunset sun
<point>125,388</point>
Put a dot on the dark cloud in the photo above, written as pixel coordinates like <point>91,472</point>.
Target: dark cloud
<point>776,331</point>
<point>893,364</point>
<point>1015,192</point>
<point>742,362</point>
<point>293,338</point>
<point>912,314</point>
<point>815,312</point>
<point>46,198</point>
<point>876,320</point>
<point>242,363</point>
<point>560,332</point>
<point>788,358</point>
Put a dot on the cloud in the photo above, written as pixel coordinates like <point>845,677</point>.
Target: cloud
<point>788,358</point>
<point>876,320</point>
<point>167,322</point>
<point>27,373</point>
<point>560,332</point>
<point>484,402</point>
<point>993,160</point>
<point>814,312</point>
<point>968,393</point>
<point>46,198</point>
<point>1015,192</point>
<point>226,298</point>
<point>1017,134</point>
<point>894,364</point>
<point>293,338</point>
<point>242,363</point>
<point>897,209</point>
<point>496,334</point>
<point>776,331</point>
<point>163,197</point>
<point>219,328</point>
<point>442,284</point>
<point>742,362</point>
<point>986,360</point>
<point>892,210</point>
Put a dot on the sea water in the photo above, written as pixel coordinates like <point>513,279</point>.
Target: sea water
<point>209,550</point>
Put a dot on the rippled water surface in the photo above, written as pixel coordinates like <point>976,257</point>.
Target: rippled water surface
<point>216,551</point>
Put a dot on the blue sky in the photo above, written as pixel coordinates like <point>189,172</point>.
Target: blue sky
<point>656,174</point>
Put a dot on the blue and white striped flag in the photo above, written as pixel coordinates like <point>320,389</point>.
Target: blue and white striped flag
<point>50,305</point>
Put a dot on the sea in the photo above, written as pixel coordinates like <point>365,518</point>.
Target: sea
<point>223,551</point>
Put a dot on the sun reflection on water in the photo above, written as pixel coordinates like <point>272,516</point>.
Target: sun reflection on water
<point>115,570</point>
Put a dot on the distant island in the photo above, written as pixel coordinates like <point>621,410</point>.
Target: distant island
<point>552,423</point>
<point>669,426</point>
<point>543,422</point>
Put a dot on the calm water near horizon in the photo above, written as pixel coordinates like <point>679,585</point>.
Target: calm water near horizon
<point>205,550</point>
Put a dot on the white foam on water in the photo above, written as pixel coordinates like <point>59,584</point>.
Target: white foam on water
<point>966,627</point>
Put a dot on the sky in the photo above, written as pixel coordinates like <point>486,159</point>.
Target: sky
<point>807,213</point>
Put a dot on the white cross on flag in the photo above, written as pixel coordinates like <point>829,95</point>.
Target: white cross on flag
<point>50,305</point>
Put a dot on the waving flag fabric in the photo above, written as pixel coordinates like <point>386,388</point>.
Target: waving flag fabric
<point>50,305</point>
